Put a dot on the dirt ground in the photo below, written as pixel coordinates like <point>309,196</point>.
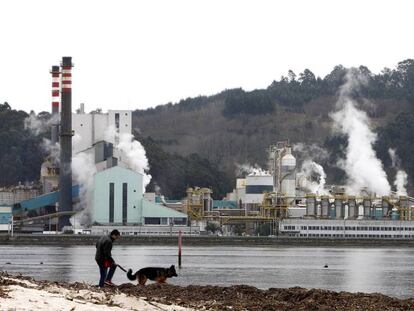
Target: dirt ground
<point>242,297</point>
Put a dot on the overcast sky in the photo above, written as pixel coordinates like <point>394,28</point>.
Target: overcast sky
<point>139,54</point>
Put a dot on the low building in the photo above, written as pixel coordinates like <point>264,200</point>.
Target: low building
<point>119,200</point>
<point>353,229</point>
<point>5,217</point>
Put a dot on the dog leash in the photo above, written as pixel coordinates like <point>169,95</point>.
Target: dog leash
<point>120,267</point>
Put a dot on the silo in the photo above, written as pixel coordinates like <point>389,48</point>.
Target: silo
<point>310,205</point>
<point>404,208</point>
<point>332,211</point>
<point>352,208</point>
<point>367,202</point>
<point>339,208</point>
<point>325,206</point>
<point>394,214</point>
<point>288,175</point>
<point>385,205</point>
<point>318,209</point>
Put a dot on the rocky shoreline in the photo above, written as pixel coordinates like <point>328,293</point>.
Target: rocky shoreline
<point>81,296</point>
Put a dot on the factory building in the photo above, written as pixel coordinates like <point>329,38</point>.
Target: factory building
<point>368,229</point>
<point>118,200</point>
<point>5,217</point>
<point>116,196</point>
<point>93,127</point>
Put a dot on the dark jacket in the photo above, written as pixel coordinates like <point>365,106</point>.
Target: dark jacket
<point>103,250</point>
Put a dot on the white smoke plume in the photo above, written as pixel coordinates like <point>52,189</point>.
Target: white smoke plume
<point>133,153</point>
<point>312,177</point>
<point>243,169</point>
<point>53,150</point>
<point>401,177</point>
<point>38,125</point>
<point>83,170</point>
<point>401,180</point>
<point>362,167</point>
<point>393,156</point>
<point>312,151</point>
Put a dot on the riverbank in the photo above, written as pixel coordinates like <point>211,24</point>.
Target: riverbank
<point>65,239</point>
<point>22,293</point>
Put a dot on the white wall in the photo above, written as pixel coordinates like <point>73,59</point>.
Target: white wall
<point>90,128</point>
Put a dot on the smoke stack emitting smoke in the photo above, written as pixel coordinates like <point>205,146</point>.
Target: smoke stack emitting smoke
<point>361,165</point>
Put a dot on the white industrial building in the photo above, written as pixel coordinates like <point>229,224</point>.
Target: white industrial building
<point>90,128</point>
<point>117,198</point>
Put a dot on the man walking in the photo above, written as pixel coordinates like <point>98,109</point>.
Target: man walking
<point>104,258</point>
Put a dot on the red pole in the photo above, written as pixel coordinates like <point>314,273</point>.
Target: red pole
<point>179,249</point>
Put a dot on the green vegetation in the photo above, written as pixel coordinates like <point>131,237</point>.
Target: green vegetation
<point>198,141</point>
<point>174,173</point>
<point>20,153</point>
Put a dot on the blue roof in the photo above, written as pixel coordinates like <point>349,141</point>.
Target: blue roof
<point>224,204</point>
<point>47,199</point>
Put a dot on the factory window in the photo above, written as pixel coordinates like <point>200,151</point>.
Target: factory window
<point>180,221</point>
<point>152,220</point>
<point>117,121</point>
<point>164,221</point>
<point>111,202</point>
<point>124,202</point>
<point>258,189</point>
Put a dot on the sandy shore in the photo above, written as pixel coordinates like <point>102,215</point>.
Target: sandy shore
<point>23,293</point>
<point>19,293</point>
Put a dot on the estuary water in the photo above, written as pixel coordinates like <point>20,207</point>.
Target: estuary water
<point>385,270</point>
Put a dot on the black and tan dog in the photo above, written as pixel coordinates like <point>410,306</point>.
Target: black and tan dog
<point>159,275</point>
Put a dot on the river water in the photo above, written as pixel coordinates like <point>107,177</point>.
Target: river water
<point>385,270</point>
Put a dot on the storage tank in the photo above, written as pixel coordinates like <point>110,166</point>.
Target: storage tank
<point>310,205</point>
<point>352,208</point>
<point>339,208</point>
<point>325,206</point>
<point>367,207</point>
<point>394,214</point>
<point>385,206</point>
<point>288,175</point>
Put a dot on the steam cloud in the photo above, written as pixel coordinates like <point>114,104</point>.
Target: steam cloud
<point>242,169</point>
<point>309,171</point>
<point>362,167</point>
<point>38,125</point>
<point>83,169</point>
<point>401,177</point>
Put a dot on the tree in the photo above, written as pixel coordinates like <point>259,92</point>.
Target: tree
<point>212,227</point>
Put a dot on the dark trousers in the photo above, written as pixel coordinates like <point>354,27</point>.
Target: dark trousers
<point>105,275</point>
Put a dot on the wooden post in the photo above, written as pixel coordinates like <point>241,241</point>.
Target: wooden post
<point>179,249</point>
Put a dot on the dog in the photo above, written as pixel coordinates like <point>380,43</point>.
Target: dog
<point>159,275</point>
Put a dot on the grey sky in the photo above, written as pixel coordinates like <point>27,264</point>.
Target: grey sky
<point>139,54</point>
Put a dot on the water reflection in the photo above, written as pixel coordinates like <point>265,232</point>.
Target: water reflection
<point>389,271</point>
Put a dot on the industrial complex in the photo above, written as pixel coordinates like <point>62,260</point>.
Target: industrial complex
<point>107,190</point>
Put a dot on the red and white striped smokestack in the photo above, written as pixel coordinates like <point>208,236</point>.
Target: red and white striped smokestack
<point>55,89</point>
<point>55,104</point>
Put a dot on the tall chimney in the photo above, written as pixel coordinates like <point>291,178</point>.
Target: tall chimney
<point>55,104</point>
<point>65,176</point>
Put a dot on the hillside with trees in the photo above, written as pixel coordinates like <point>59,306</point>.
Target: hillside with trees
<point>200,141</point>
<point>235,126</point>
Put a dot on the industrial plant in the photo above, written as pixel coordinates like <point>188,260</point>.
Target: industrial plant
<point>281,198</point>
<point>95,175</point>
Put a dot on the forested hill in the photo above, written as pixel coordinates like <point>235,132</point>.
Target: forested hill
<point>235,127</point>
<point>199,141</point>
